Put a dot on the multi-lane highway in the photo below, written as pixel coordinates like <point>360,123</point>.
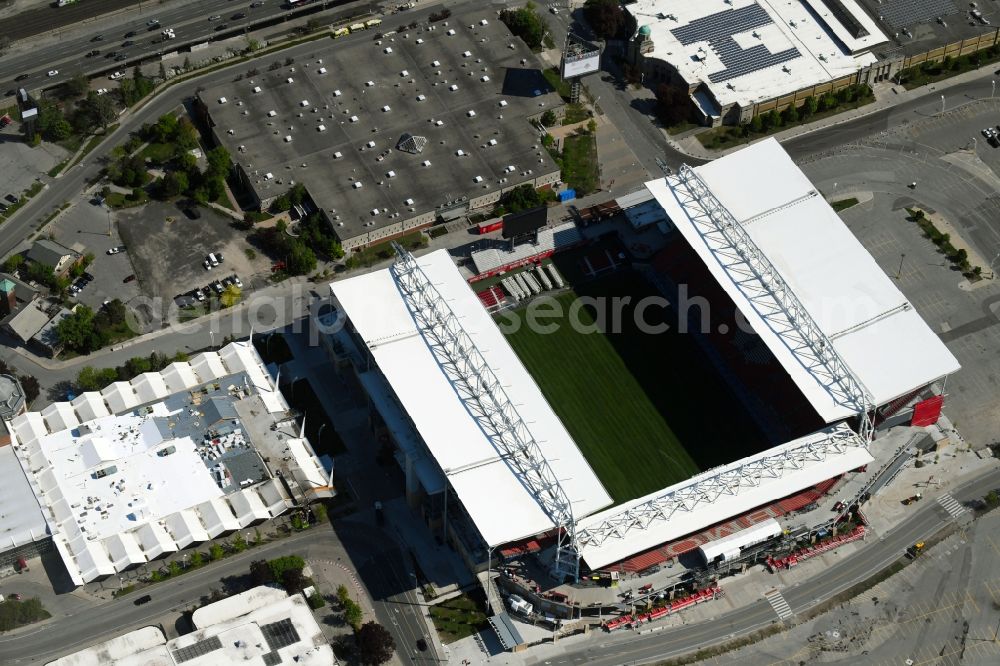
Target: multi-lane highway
<point>189,21</point>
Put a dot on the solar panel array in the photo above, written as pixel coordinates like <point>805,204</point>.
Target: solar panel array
<point>272,659</point>
<point>195,650</point>
<point>718,30</point>
<point>902,13</point>
<point>280,634</point>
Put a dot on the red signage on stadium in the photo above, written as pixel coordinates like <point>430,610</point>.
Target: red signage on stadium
<point>927,412</point>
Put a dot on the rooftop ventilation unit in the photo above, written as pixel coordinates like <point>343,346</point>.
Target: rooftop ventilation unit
<point>426,163</point>
<point>375,212</point>
<point>321,128</point>
<point>370,144</point>
<point>387,50</point>
<point>453,87</point>
<point>369,83</point>
<point>409,143</point>
<point>435,63</point>
<point>289,80</point>
<point>459,153</point>
<point>357,185</point>
<point>471,113</point>
<point>485,79</point>
<point>477,179</point>
<point>272,113</point>
<point>386,109</point>
<point>408,202</point>
<point>390,174</point>
<point>439,123</point>
<point>256,89</point>
<point>492,142</point>
<point>404,73</point>
<point>421,98</point>
<point>223,100</point>
<point>336,93</point>
<point>268,176</point>
<point>420,41</point>
<point>304,103</point>
<point>451,33</point>
<point>467,54</point>
<point>484,22</point>
<point>354,119</point>
<point>322,70</point>
<point>288,138</point>
<point>337,155</point>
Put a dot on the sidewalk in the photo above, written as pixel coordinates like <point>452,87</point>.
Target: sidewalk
<point>885,98</point>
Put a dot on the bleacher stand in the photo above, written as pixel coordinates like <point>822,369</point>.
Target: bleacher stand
<point>532,282</point>
<point>511,288</point>
<point>519,279</point>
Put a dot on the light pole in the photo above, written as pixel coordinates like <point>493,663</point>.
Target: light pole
<point>942,103</point>
<point>121,583</point>
<point>993,87</point>
<point>899,272</point>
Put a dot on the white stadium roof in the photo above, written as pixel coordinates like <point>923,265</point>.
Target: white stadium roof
<point>876,331</point>
<point>747,51</point>
<point>493,495</point>
<point>808,471</point>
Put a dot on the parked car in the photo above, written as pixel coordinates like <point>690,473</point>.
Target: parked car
<point>218,256</point>
<point>153,22</point>
<point>21,77</point>
<point>237,281</point>
<point>12,198</point>
<point>207,264</point>
<point>116,249</point>
<point>144,599</point>
<point>192,212</point>
<point>53,72</point>
<point>214,17</point>
<point>217,286</point>
<point>198,294</point>
<point>129,278</point>
<point>3,208</point>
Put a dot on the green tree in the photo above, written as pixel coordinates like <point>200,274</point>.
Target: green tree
<point>353,614</point>
<point>606,17</point>
<point>197,559</point>
<point>992,498</point>
<point>343,595</point>
<point>173,184</point>
<point>301,259</point>
<point>281,203</point>
<point>137,365</point>
<point>773,119</point>
<point>791,114</point>
<point>78,333</point>
<point>280,565</point>
<point>526,24</point>
<point>218,162</point>
<point>231,296</point>
<point>174,568</point>
<point>13,262</point>
<point>375,644</point>
<point>261,573</point>
<point>216,552</point>
<point>548,118</point>
<point>239,543</point>
<point>757,124</point>
<point>165,128</point>
<point>810,106</point>
<point>293,581</point>
<point>77,86</point>
<point>96,111</point>
<point>522,197</point>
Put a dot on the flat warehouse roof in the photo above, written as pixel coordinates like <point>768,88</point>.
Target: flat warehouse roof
<point>856,305</point>
<point>494,497</point>
<point>810,471</point>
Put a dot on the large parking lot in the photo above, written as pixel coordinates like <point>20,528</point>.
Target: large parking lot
<point>958,179</point>
<point>167,249</point>
<point>20,164</point>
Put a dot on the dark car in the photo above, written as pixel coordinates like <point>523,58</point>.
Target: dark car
<point>130,34</point>
<point>144,599</point>
<point>91,54</point>
<point>10,93</point>
<point>422,645</point>
<point>192,213</point>
<point>21,77</point>
<point>221,26</point>
<point>129,278</point>
<point>11,198</point>
<point>120,57</point>
<point>97,38</point>
<point>3,208</point>
<point>237,16</point>
<point>127,42</point>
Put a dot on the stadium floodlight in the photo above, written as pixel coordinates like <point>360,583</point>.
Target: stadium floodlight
<point>484,396</point>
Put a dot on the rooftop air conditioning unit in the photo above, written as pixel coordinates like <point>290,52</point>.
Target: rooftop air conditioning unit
<point>404,73</point>
<point>322,70</point>
<point>388,50</point>
<point>256,89</point>
<point>337,155</point>
<point>336,93</point>
<point>222,100</point>
<point>288,138</point>
<point>426,163</point>
<point>272,113</point>
<point>321,128</point>
<point>471,113</point>
<point>289,80</point>
<point>304,103</point>
<point>357,185</point>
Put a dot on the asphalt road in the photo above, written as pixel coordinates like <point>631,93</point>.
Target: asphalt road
<point>927,104</point>
<point>45,19</point>
<point>627,647</point>
<point>189,21</point>
<point>55,638</point>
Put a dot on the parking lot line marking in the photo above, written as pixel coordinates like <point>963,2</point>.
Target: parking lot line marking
<point>993,595</point>
<point>994,544</point>
<point>974,604</point>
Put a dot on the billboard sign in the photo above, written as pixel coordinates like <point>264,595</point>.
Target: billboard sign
<point>580,57</point>
<point>525,222</point>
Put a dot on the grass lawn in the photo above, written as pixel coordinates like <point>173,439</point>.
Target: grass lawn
<point>157,153</point>
<point>682,127</point>
<point>119,200</point>
<point>382,251</point>
<point>562,87</point>
<point>844,204</point>
<point>630,399</point>
<point>579,163</point>
<point>458,618</point>
<point>575,113</point>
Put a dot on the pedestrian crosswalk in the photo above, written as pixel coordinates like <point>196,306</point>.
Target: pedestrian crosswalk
<point>951,505</point>
<point>778,603</point>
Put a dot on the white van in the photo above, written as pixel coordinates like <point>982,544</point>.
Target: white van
<point>519,605</point>
<point>213,259</point>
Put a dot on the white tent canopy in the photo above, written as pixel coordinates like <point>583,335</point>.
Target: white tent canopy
<point>89,406</point>
<point>120,397</point>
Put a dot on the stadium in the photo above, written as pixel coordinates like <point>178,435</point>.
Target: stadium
<point>614,452</point>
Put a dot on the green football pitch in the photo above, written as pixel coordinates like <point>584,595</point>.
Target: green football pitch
<point>633,401</point>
